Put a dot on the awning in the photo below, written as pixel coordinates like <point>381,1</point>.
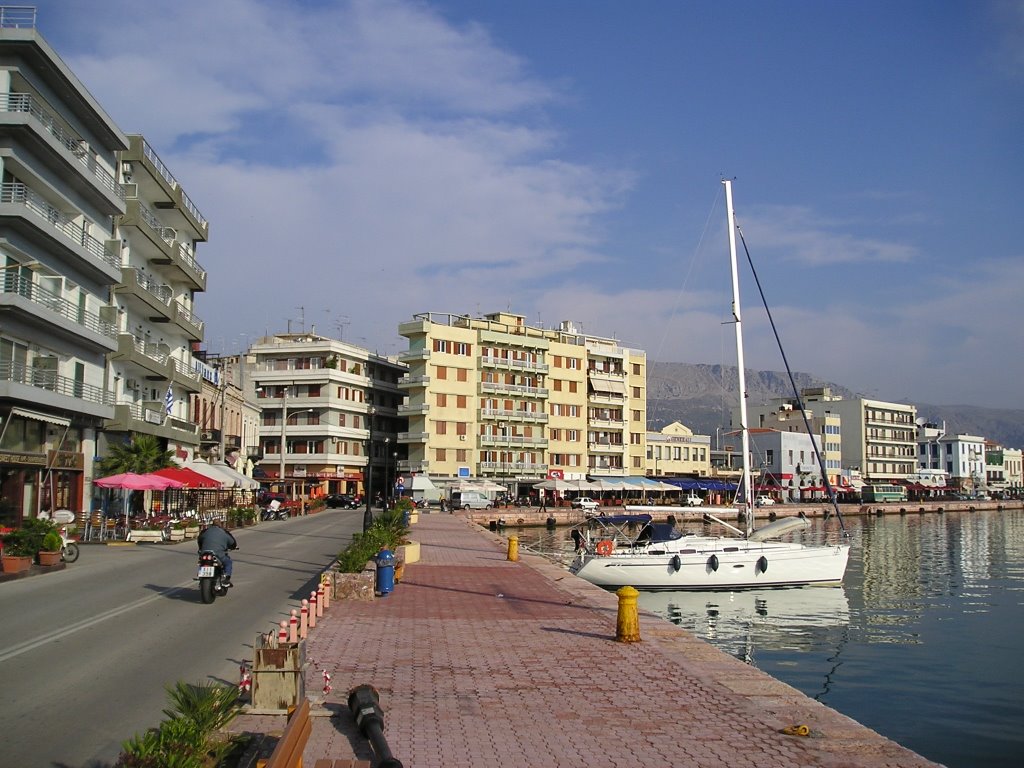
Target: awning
<point>224,474</point>
<point>610,384</point>
<point>27,414</point>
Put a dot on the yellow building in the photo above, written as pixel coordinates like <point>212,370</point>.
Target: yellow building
<point>676,451</point>
<point>494,398</point>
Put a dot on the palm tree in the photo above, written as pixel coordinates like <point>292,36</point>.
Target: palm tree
<point>143,454</point>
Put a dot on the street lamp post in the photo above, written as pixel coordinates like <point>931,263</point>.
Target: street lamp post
<point>501,454</point>
<point>368,514</point>
<point>387,474</point>
<point>284,439</point>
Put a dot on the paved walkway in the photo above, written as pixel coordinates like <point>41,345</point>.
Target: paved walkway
<point>486,663</point>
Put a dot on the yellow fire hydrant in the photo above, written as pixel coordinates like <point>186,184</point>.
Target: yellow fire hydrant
<point>513,548</point>
<point>627,624</point>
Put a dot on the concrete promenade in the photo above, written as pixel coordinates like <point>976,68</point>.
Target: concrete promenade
<point>486,663</point>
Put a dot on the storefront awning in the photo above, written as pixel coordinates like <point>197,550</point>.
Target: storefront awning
<point>610,384</point>
<point>35,415</point>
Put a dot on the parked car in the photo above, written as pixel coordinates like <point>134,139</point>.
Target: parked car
<point>585,503</point>
<point>693,500</point>
<point>764,501</point>
<point>341,500</point>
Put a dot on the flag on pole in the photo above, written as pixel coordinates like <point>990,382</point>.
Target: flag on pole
<point>169,400</point>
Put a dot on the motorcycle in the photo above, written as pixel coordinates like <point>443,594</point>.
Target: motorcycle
<point>210,576</point>
<point>269,514</point>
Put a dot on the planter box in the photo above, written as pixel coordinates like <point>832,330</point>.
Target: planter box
<point>355,586</point>
<point>409,553</point>
<point>49,558</point>
<point>192,532</point>
<point>152,537</point>
<point>177,534</point>
<point>17,564</point>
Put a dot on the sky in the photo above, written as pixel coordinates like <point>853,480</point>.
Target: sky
<point>363,161</point>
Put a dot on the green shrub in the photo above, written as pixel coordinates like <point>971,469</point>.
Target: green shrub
<point>388,531</point>
<point>51,542</point>
<point>191,737</point>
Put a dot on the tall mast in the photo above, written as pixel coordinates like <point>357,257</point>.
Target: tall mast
<point>748,490</point>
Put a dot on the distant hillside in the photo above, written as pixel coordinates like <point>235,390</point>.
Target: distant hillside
<point>701,396</point>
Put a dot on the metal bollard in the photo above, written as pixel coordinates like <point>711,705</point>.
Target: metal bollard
<point>513,548</point>
<point>364,704</point>
<point>385,583</point>
<point>627,623</point>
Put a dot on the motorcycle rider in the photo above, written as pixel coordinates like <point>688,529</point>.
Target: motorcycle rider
<point>219,541</point>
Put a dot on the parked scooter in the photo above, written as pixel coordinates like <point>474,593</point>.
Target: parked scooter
<point>270,513</point>
<point>210,576</point>
<point>69,550</point>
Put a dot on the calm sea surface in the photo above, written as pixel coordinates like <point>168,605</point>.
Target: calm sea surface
<point>922,643</point>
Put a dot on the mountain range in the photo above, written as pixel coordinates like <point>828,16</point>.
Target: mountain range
<point>701,397</point>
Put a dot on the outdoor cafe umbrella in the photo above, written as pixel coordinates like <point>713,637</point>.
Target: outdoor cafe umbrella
<point>131,481</point>
<point>188,478</point>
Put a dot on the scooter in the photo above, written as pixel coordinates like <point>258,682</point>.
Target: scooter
<point>69,550</point>
<point>210,577</point>
<point>268,514</point>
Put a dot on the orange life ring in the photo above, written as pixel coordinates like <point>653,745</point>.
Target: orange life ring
<point>605,547</point>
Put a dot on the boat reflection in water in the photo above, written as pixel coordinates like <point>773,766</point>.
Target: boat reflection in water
<point>744,622</point>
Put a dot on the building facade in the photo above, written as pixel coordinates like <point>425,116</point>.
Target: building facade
<point>329,414</point>
<point>59,200</point>
<point>676,452</point>
<point>494,398</point>
<point>784,415</point>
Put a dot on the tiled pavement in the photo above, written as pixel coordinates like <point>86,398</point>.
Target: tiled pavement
<point>486,663</point>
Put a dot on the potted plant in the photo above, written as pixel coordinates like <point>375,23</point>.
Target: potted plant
<point>18,551</point>
<point>49,554</point>
<point>178,530</point>
<point>148,532</point>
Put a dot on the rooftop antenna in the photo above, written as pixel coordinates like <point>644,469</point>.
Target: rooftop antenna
<point>341,326</point>
<point>302,317</point>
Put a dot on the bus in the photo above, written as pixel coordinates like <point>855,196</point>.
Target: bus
<point>871,494</point>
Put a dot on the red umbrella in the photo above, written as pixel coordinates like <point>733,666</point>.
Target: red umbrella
<point>188,477</point>
<point>134,482</point>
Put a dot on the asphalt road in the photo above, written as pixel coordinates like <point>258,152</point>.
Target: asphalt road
<point>87,652</point>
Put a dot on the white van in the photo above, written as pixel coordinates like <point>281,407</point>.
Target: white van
<point>470,500</point>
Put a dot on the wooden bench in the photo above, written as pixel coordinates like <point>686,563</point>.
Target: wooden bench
<point>288,752</point>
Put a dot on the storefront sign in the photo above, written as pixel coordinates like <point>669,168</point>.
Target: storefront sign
<point>7,457</point>
<point>65,460</point>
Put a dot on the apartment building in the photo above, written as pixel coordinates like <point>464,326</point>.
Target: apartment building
<point>59,201</point>
<point>676,451</point>
<point>329,414</point>
<point>784,415</point>
<point>225,413</point>
<point>153,372</point>
<point>494,398</point>
<point>964,460</point>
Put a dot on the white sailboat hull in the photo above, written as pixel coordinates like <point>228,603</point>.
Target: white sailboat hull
<point>714,563</point>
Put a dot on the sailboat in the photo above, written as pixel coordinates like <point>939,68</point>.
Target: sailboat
<point>633,550</point>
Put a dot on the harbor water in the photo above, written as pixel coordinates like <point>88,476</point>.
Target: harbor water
<point>921,643</point>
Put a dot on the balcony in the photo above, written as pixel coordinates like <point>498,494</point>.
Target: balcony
<point>145,295</point>
<point>46,387</point>
<point>156,183</point>
<point>510,468</point>
<point>147,356</point>
<point>515,441</point>
<point>52,314</point>
<point>191,324</point>
<point>47,129</point>
<point>413,382</point>
<point>605,447</point>
<point>31,214</point>
<point>160,243</point>
<point>412,355</point>
<point>413,409</point>
<point>523,390</point>
<point>150,419</point>
<point>518,416</point>
<point>505,363</point>
<point>413,437</point>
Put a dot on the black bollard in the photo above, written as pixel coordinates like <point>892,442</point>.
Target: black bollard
<point>364,704</point>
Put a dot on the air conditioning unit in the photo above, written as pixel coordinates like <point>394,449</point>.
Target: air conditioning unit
<point>207,435</point>
<point>462,438</point>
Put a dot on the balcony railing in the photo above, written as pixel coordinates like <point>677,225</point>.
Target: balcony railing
<point>512,415</point>
<point>162,169</point>
<point>22,286</point>
<point>27,103</point>
<point>517,389</point>
<point>186,315</point>
<point>17,193</point>
<point>19,373</point>
<point>160,291</point>
<point>505,362</point>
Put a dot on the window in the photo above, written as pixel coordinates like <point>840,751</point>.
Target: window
<point>557,385</point>
<point>460,401</point>
<point>573,386</point>
<point>460,455</point>
<point>572,363</point>
<point>440,454</point>
<point>636,415</point>
<point>441,399</point>
<point>440,427</point>
<point>636,369</point>
<point>556,361</point>
<point>441,372</point>
<point>440,345</point>
<point>636,391</point>
<point>460,428</point>
<point>463,374</point>
<point>460,348</point>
